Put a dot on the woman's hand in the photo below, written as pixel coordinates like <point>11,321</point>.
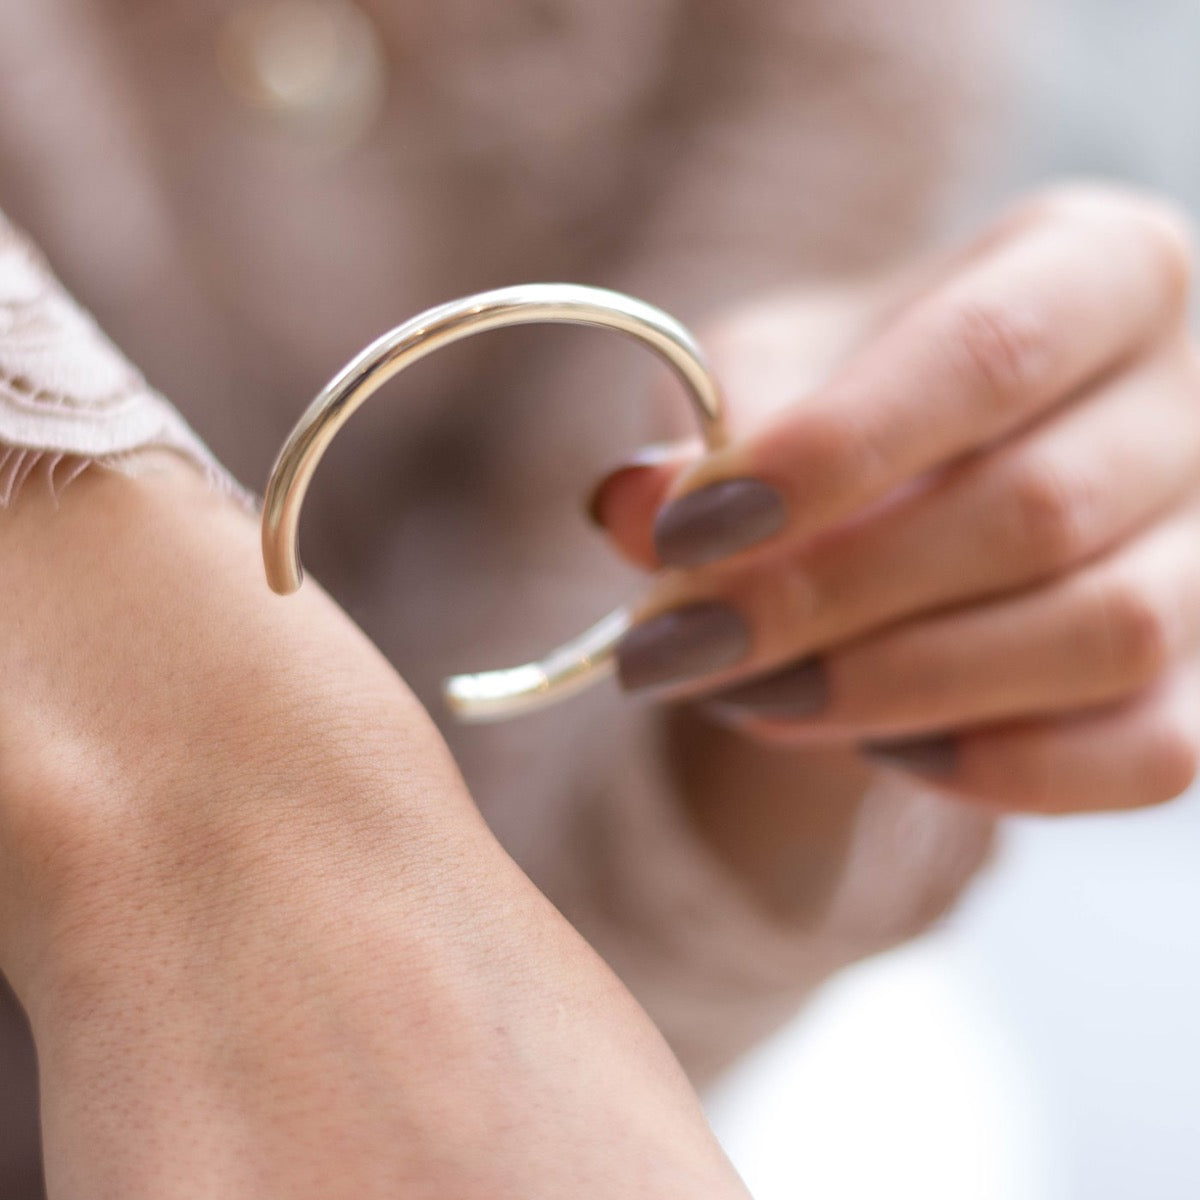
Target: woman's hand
<point>973,551</point>
<point>266,944</point>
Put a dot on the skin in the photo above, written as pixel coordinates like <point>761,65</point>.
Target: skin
<point>992,509</point>
<point>281,955</point>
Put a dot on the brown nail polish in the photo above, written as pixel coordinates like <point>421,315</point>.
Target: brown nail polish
<point>935,756</point>
<point>798,691</point>
<point>683,644</point>
<point>718,520</point>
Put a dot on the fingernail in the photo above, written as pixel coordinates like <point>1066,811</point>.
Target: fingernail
<point>647,458</point>
<point>716,521</point>
<point>935,756</point>
<point>799,691</point>
<point>681,645</point>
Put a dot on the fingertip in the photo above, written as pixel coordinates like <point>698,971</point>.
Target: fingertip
<point>624,502</point>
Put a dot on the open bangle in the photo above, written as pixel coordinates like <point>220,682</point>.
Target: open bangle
<point>575,665</point>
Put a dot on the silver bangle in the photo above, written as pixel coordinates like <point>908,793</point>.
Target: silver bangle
<point>496,694</point>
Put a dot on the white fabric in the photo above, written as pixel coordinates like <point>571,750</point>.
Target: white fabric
<point>68,398</point>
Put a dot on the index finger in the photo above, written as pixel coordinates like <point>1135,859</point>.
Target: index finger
<point>1067,295</point>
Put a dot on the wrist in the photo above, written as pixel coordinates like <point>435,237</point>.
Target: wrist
<point>159,700</point>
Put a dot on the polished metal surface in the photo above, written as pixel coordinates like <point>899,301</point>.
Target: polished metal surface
<point>495,694</point>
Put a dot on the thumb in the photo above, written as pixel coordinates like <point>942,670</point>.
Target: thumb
<point>624,503</point>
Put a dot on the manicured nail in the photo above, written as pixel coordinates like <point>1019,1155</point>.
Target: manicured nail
<point>799,691</point>
<point>681,645</point>
<point>935,756</point>
<point>716,521</point>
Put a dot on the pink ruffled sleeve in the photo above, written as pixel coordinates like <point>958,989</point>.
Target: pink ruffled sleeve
<point>68,398</point>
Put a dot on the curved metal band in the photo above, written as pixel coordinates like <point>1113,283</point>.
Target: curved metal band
<point>486,695</point>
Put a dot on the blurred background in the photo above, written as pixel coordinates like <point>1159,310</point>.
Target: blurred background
<point>1046,1043</point>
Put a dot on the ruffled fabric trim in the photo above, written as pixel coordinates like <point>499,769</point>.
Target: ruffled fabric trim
<point>68,398</point>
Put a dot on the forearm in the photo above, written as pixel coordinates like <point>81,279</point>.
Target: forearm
<point>266,943</point>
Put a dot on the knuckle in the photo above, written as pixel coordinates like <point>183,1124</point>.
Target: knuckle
<point>1049,514</point>
<point>1092,200</point>
<point>1002,351</point>
<point>1172,759</point>
<point>827,439</point>
<point>1067,204</point>
<point>1082,199</point>
<point>1136,633</point>
<point>1163,231</point>
<point>797,598</point>
<point>1168,241</point>
<point>838,451</point>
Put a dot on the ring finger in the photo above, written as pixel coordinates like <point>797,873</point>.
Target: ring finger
<point>1142,751</point>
